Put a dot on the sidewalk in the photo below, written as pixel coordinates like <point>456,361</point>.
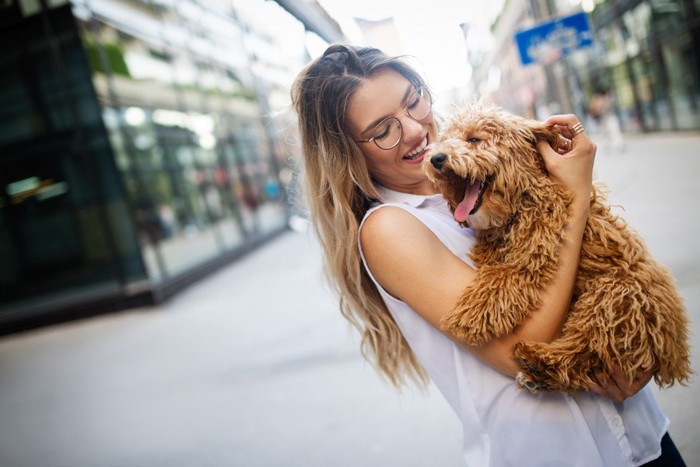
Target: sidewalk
<point>254,367</point>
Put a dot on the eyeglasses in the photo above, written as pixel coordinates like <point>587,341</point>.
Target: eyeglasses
<point>387,133</point>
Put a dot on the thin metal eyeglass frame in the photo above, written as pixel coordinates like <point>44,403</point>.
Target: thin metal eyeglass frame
<point>424,93</point>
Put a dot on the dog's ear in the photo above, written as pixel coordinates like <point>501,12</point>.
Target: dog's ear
<point>546,132</point>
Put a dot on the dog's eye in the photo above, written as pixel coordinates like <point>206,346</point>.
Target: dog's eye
<point>473,139</point>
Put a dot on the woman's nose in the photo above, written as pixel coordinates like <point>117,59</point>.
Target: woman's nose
<point>410,127</point>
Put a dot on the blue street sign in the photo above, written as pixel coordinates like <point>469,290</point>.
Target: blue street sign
<point>550,40</point>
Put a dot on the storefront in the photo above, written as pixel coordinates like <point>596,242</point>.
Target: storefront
<point>136,154</point>
<point>646,55</point>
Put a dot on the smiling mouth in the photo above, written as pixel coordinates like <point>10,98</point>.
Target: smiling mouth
<point>417,151</point>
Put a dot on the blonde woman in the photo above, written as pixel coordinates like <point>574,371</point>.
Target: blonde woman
<point>398,261</point>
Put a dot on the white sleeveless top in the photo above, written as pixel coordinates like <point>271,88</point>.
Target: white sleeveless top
<point>504,425</point>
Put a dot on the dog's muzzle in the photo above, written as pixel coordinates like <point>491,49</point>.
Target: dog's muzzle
<point>438,160</point>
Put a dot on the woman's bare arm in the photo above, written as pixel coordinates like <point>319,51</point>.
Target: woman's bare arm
<point>413,265</point>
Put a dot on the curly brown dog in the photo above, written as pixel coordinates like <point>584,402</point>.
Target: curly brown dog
<point>625,308</point>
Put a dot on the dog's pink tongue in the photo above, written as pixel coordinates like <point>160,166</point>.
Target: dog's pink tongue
<point>467,204</point>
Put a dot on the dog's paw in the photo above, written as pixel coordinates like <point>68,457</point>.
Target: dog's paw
<point>476,337</point>
<point>525,381</point>
<point>533,374</point>
<point>467,334</point>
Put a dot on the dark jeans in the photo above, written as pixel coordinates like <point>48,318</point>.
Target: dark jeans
<point>670,457</point>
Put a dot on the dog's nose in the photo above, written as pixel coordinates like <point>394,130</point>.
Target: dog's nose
<point>438,160</point>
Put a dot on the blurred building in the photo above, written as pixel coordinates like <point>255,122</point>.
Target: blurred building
<point>498,73</point>
<point>645,53</point>
<point>382,34</point>
<point>140,146</point>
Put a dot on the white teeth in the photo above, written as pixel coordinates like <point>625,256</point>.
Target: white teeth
<point>418,150</point>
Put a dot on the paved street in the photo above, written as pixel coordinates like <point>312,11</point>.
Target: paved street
<point>254,367</point>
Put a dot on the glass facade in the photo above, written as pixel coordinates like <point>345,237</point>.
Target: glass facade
<point>646,55</point>
<point>138,145</point>
<point>62,206</point>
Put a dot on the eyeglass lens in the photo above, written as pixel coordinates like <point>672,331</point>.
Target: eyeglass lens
<point>388,133</point>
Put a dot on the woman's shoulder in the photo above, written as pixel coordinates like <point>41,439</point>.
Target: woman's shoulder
<point>394,237</point>
<point>392,221</point>
<point>430,221</point>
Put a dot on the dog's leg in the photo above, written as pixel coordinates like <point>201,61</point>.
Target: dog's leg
<point>653,329</point>
<point>634,299</point>
<point>617,325</point>
<point>555,367</point>
<point>513,270</point>
<point>673,351</point>
<point>492,306</point>
<point>567,364</point>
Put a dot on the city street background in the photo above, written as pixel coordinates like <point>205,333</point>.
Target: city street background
<point>254,366</point>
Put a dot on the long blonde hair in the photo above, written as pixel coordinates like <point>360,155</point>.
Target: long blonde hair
<point>339,190</point>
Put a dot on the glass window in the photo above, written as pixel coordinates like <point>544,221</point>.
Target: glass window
<point>175,177</point>
<point>684,82</point>
<point>613,40</point>
<point>668,16</point>
<point>157,128</point>
<point>144,149</point>
<point>636,24</point>
<point>652,98</point>
<point>624,98</point>
<point>61,202</point>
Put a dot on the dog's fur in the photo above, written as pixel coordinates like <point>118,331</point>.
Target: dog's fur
<point>625,309</point>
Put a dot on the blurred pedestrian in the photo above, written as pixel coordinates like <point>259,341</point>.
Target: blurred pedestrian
<point>398,262</point>
<point>601,109</point>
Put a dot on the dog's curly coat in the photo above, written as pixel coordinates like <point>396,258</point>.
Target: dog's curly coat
<point>625,308</point>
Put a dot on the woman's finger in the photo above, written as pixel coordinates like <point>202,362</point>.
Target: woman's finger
<point>565,145</point>
<point>568,126</point>
<point>618,387</point>
<point>562,120</point>
<point>547,152</point>
<point>607,389</point>
<point>627,388</point>
<point>598,389</point>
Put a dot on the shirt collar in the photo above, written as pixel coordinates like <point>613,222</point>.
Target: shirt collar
<point>391,196</point>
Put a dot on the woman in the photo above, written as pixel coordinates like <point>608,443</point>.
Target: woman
<point>399,262</point>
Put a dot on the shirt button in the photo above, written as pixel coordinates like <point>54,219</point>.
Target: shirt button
<point>616,422</point>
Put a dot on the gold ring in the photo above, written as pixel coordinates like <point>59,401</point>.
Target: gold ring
<point>576,129</point>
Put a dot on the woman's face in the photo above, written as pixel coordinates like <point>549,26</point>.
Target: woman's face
<point>383,95</point>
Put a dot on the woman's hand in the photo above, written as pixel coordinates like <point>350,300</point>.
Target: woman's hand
<point>573,165</point>
<point>619,388</point>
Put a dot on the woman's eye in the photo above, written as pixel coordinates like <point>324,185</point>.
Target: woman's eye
<point>382,131</point>
<point>414,102</point>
